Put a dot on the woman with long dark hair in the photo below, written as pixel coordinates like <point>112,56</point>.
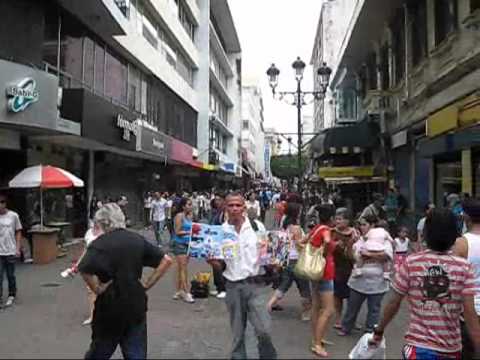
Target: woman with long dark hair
<point>181,238</point>
<point>322,290</point>
<point>287,276</point>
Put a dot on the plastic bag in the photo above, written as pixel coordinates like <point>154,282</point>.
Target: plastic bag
<point>362,350</point>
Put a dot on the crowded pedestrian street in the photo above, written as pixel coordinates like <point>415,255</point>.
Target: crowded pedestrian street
<point>46,321</point>
<point>240,179</point>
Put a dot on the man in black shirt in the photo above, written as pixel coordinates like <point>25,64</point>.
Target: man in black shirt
<point>112,268</point>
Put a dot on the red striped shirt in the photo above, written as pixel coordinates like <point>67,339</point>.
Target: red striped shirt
<point>435,285</point>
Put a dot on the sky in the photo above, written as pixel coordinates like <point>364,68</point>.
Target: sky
<point>276,31</point>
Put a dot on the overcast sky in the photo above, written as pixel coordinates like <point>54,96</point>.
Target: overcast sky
<point>276,31</point>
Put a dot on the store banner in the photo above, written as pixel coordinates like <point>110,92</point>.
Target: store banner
<point>346,171</point>
<point>29,96</point>
<point>153,143</point>
<point>268,174</point>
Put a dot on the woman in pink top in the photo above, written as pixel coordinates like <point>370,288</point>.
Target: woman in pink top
<point>438,286</point>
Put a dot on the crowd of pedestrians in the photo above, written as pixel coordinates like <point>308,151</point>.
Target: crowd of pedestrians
<point>364,257</point>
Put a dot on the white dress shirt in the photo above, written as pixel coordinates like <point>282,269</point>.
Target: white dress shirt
<point>245,264</point>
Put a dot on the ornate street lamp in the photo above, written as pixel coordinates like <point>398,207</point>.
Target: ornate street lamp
<point>324,73</point>
<point>299,67</point>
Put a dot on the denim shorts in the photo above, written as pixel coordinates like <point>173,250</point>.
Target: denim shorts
<point>322,286</point>
<point>179,248</point>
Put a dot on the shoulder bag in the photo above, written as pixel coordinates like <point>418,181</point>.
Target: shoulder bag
<point>311,262</point>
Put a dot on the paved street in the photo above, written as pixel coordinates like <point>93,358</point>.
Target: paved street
<point>46,322</point>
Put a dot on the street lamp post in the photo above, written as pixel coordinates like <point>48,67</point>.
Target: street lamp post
<point>298,65</point>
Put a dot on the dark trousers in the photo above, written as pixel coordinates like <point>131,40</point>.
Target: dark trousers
<point>133,344</point>
<point>218,279</point>
<point>355,301</point>
<point>7,264</point>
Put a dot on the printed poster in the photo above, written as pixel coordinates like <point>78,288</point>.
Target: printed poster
<point>213,242</point>
<point>275,249</point>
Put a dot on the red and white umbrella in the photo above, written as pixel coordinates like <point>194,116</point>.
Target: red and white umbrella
<point>45,177</point>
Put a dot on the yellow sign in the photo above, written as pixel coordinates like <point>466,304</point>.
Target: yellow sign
<point>346,171</point>
<point>463,113</point>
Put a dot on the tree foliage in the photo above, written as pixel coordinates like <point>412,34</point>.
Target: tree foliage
<point>285,167</point>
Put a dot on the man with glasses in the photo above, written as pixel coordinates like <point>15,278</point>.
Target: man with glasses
<point>10,244</point>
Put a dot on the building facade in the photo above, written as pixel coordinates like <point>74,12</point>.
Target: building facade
<point>253,134</point>
<point>117,94</point>
<point>412,69</point>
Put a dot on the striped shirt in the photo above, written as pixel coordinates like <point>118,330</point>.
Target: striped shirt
<point>435,284</point>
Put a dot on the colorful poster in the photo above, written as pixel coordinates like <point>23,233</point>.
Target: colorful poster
<point>275,250</point>
<point>213,242</point>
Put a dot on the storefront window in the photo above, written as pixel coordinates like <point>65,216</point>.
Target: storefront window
<point>448,178</point>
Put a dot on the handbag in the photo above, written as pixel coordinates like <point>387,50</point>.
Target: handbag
<point>311,263</point>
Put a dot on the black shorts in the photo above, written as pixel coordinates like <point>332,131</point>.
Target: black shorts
<point>341,289</point>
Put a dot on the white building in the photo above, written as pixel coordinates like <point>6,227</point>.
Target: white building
<point>332,26</point>
<point>253,135</point>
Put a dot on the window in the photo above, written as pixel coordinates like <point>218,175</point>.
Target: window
<point>347,104</point>
<point>224,144</point>
<point>184,19</point>
<point>398,30</point>
<point>445,19</point>
<point>245,124</point>
<point>99,69</point>
<point>474,5</point>
<point>89,60</point>
<point>116,79</point>
<point>134,88</point>
<point>418,12</point>
<point>123,6</point>
<point>385,67</point>
<point>372,71</point>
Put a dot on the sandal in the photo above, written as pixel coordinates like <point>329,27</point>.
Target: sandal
<point>319,351</point>
<point>326,342</point>
<point>342,333</point>
<point>337,326</point>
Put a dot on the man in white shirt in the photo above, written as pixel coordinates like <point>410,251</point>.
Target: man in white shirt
<point>243,284</point>
<point>10,244</point>
<point>159,205</point>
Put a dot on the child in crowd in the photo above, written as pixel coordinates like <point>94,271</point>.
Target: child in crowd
<point>401,246</point>
<point>375,242</point>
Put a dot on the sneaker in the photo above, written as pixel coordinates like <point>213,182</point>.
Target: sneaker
<point>10,301</point>
<point>178,295</point>
<point>222,295</point>
<point>28,261</point>
<point>87,322</point>
<point>188,298</point>
<point>306,315</point>
<point>213,292</point>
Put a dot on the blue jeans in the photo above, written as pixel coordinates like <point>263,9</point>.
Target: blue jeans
<point>355,302</point>
<point>158,227</point>
<point>133,344</point>
<point>7,264</point>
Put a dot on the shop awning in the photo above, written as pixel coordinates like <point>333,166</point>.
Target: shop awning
<point>346,139</point>
<point>354,180</point>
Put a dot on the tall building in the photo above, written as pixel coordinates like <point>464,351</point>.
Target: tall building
<point>130,95</point>
<point>410,72</point>
<point>333,24</point>
<point>253,135</point>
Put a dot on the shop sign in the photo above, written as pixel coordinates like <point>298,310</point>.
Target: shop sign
<point>22,95</point>
<point>25,86</point>
<point>267,161</point>
<point>128,127</point>
<point>346,171</point>
<point>399,139</point>
<point>152,142</point>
